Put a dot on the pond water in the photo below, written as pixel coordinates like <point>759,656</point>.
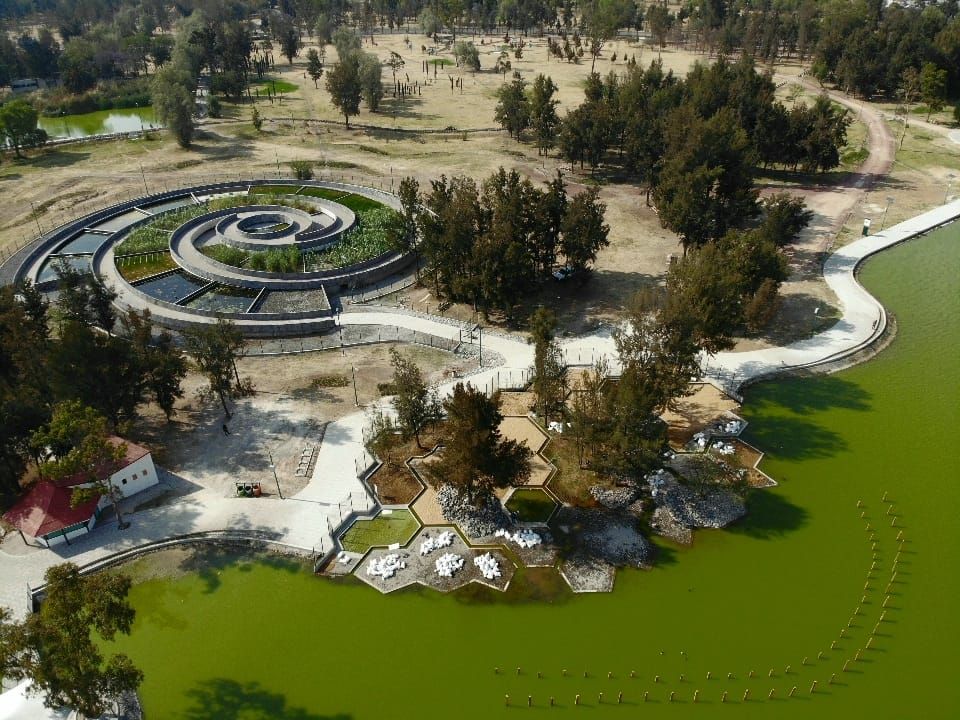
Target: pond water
<point>48,271</point>
<point>173,287</point>
<point>266,639</point>
<point>100,122</point>
<point>224,298</point>
<point>85,242</point>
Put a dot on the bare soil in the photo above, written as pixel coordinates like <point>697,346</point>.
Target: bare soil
<point>286,413</point>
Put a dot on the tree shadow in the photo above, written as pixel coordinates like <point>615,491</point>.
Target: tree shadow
<point>815,394</point>
<point>224,699</point>
<point>770,515</point>
<point>55,158</point>
<point>209,562</point>
<point>794,438</point>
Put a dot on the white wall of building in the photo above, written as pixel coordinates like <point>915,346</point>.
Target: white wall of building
<point>135,477</point>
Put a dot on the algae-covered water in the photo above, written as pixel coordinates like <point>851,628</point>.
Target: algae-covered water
<point>266,639</point>
<point>100,122</point>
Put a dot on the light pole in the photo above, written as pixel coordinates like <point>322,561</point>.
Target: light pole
<point>144,176</point>
<point>275,478</point>
<point>883,220</point>
<point>356,396</point>
<point>36,218</point>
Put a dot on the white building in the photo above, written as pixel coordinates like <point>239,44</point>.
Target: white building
<point>45,513</point>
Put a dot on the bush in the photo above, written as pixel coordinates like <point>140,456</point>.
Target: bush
<point>302,169</point>
<point>106,96</point>
<point>214,109</point>
<point>368,239</point>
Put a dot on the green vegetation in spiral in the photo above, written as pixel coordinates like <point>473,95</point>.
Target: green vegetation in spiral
<point>369,238</point>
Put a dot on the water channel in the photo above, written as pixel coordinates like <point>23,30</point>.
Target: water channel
<point>265,639</point>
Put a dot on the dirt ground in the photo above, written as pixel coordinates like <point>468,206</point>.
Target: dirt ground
<point>57,184</point>
<point>696,411</point>
<point>286,414</point>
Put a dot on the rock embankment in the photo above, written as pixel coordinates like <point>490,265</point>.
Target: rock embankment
<point>682,508</point>
<point>480,520</point>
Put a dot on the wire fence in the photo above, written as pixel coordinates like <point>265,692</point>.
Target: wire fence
<point>348,336</point>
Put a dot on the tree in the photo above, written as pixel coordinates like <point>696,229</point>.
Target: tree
<point>289,43</point>
<point>705,185</point>
<point>77,445</point>
<point>314,66</point>
<point>215,349</point>
<point>302,169</point>
<point>475,457</point>
<point>785,217</point>
<point>256,120</point>
<point>345,86</point>
<point>164,365</point>
<point>403,232</point>
<point>659,20</point>
<point>583,230</point>
<point>371,84</point>
<point>467,55</point>
<point>513,108</point>
<point>78,65</point>
<point>933,87</point>
<point>173,99</point>
<point>56,648</point>
<point>18,125</point>
<point>416,405</point>
<point>346,42</point>
<point>543,113</point>
<point>549,370</point>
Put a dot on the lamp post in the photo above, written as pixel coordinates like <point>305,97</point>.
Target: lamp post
<point>275,478</point>
<point>144,177</point>
<point>36,218</point>
<point>883,220</point>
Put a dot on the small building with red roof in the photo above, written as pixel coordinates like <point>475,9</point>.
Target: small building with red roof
<point>45,512</point>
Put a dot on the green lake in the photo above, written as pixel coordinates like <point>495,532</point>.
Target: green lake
<point>266,639</point>
<point>100,122</point>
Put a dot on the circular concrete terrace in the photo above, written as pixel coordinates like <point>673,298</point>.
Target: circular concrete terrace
<point>192,288</point>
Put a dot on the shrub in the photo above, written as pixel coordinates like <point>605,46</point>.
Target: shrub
<point>302,169</point>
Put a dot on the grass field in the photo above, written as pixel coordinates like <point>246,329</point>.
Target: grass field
<point>398,527</point>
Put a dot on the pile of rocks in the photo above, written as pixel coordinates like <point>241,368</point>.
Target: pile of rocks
<point>444,539</point>
<point>617,497</point>
<point>477,520</point>
<point>681,508</point>
<point>386,567</point>
<point>488,566</point>
<point>609,536</point>
<point>526,538</point>
<point>448,564</point>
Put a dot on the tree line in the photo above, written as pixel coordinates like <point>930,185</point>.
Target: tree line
<point>81,355</point>
<point>491,243</point>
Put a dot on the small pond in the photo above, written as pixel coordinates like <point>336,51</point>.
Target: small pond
<point>48,270</point>
<point>101,122</point>
<point>173,287</point>
<point>85,242</point>
<point>224,298</point>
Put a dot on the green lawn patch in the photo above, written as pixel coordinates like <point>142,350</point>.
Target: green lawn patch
<point>226,254</point>
<point>279,86</point>
<point>397,527</point>
<point>140,266</point>
<point>367,239</point>
<point>531,504</point>
<point>275,189</point>
<point>441,62</point>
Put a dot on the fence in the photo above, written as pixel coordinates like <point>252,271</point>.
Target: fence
<point>348,336</point>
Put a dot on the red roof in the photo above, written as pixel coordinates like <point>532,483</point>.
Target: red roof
<point>46,509</point>
<point>134,453</point>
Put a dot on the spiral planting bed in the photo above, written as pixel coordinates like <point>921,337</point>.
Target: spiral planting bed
<point>272,257</point>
